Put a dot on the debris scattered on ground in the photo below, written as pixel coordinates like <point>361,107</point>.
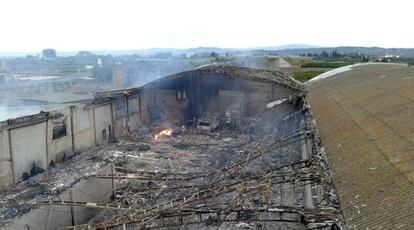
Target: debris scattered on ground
<point>227,179</point>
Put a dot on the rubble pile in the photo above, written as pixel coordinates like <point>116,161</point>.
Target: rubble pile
<point>224,179</point>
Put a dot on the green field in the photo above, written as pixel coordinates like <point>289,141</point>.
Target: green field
<point>305,75</point>
<point>326,64</point>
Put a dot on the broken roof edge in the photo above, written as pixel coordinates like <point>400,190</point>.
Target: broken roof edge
<point>346,68</point>
<point>110,95</point>
<point>105,97</point>
<point>263,75</point>
<point>29,119</point>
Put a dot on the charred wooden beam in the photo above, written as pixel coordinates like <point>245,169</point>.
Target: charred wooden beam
<point>194,216</point>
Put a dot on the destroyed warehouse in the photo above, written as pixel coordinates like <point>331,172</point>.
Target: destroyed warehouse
<point>216,147</point>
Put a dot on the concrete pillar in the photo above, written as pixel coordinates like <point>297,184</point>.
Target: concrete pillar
<point>139,106</point>
<point>112,131</point>
<point>126,124</point>
<point>94,126</point>
<point>47,143</point>
<point>72,129</point>
<point>11,156</point>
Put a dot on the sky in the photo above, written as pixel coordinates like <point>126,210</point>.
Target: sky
<point>72,25</point>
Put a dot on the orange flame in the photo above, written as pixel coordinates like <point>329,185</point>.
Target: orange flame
<point>163,133</point>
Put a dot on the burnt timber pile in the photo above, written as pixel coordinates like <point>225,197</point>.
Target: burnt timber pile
<point>218,147</point>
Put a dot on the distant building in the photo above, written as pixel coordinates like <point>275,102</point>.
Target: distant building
<point>2,64</point>
<point>119,76</point>
<point>387,58</point>
<point>6,78</point>
<point>2,78</point>
<point>99,62</point>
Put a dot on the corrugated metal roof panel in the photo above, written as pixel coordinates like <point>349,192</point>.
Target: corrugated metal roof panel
<point>366,120</point>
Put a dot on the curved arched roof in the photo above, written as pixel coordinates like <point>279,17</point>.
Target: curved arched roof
<point>273,77</point>
<point>365,116</point>
<point>236,71</point>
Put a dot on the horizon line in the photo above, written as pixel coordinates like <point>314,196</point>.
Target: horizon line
<point>281,47</point>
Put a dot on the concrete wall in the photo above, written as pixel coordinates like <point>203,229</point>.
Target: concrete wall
<point>208,93</point>
<point>55,217</point>
<point>145,96</point>
<point>4,146</point>
<point>161,104</point>
<point>134,119</point>
<point>260,94</point>
<point>120,117</point>
<point>6,172</point>
<point>28,146</point>
<point>126,115</point>
<point>60,148</point>
<point>166,106</point>
<point>83,128</point>
<point>103,120</point>
<point>34,143</point>
<point>232,102</point>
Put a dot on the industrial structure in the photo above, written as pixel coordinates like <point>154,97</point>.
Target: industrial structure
<point>143,158</point>
<point>364,115</point>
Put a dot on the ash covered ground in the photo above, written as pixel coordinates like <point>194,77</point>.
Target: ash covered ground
<point>227,179</point>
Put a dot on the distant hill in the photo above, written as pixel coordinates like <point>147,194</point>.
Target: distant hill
<point>153,51</point>
<point>288,47</point>
<point>143,52</point>
<point>373,51</point>
<point>174,51</point>
<point>198,50</point>
<point>284,50</point>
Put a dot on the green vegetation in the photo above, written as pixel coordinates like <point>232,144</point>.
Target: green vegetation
<point>326,64</point>
<point>49,53</point>
<point>305,75</point>
<point>298,61</point>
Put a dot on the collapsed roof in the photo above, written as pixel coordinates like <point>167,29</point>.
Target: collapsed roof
<point>263,165</point>
<point>261,75</point>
